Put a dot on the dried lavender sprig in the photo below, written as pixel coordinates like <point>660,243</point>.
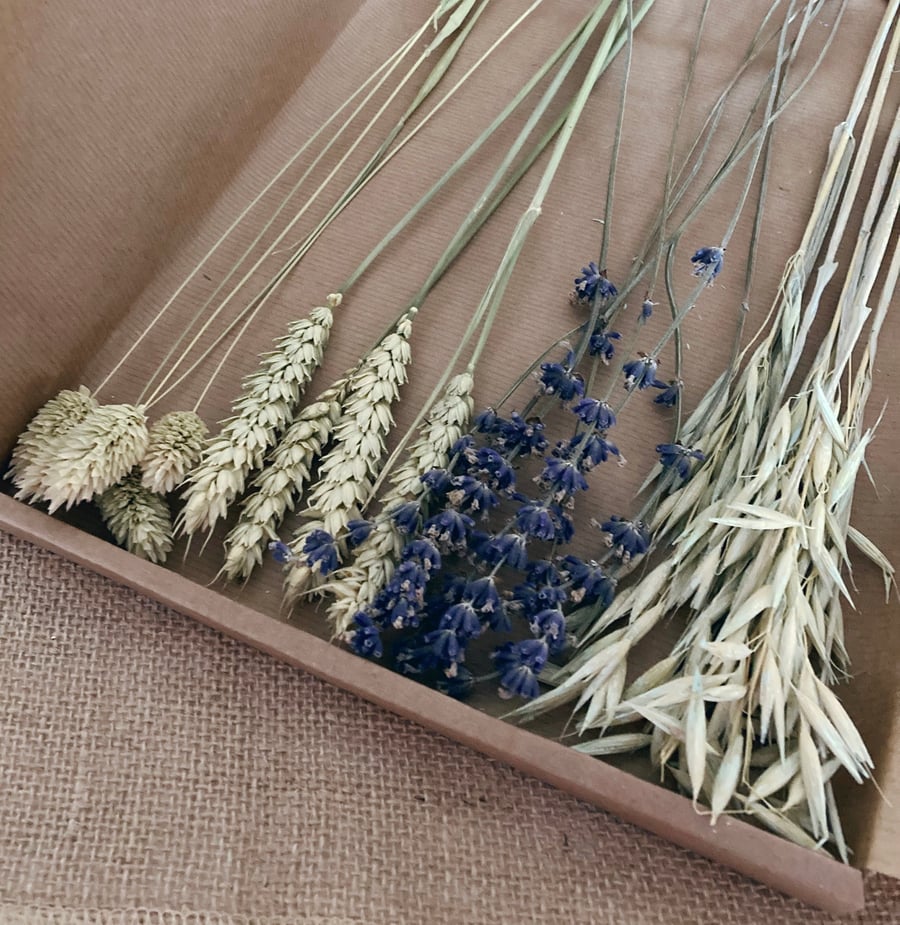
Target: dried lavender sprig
<point>455,247</point>
<point>657,240</point>
<point>472,226</point>
<point>138,518</point>
<point>363,631</point>
<point>747,142</point>
<point>282,479</point>
<point>301,575</point>
<point>495,291</point>
<point>632,601</point>
<point>265,408</point>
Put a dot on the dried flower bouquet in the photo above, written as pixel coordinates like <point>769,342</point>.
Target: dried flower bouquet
<point>471,539</point>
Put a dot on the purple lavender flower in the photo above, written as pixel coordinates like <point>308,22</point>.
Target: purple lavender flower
<point>601,343</point>
<point>406,516</point>
<point>357,531</point>
<point>541,589</point>
<point>489,464</point>
<point>480,546</point>
<point>472,495</point>
<point>534,519</point>
<point>399,603</point>
<point>449,529</point>
<point>487,421</point>
<point>281,552</point>
<point>508,548</point>
<point>521,436</point>
<point>671,393</point>
<point>543,572</point>
<point>562,477</point>
<point>321,552</point>
<point>483,595</point>
<point>405,612</point>
<point>464,446</point>
<point>446,646</point>
<point>678,457</point>
<point>531,597</point>
<point>438,483</point>
<point>596,412</point>
<point>647,309</point>
<point>550,625</point>
<point>365,638</point>
<point>630,538</point>
<point>559,379</point>
<point>593,284</point>
<point>565,526</point>
<point>463,620</point>
<point>424,552</point>
<point>640,373</point>
<point>519,664</point>
<point>587,582</point>
<point>596,449</point>
<point>708,262</point>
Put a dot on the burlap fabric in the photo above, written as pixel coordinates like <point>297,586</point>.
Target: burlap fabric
<point>153,771</point>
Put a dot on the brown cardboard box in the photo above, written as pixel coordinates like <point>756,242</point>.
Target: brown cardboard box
<point>134,135</point>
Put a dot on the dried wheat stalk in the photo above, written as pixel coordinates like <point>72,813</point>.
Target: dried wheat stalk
<point>374,560</point>
<point>280,482</point>
<point>266,407</point>
<point>349,468</point>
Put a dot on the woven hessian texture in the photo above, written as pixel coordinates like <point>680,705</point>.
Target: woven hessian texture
<point>153,771</point>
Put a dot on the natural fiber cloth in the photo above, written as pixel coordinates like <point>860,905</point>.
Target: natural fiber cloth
<point>153,771</point>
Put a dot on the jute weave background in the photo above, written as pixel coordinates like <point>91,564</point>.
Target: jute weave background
<point>152,771</point>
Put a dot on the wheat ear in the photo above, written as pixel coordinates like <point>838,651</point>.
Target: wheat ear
<point>265,408</point>
<point>356,584</point>
<point>348,470</point>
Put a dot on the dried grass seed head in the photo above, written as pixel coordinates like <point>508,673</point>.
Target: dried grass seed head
<point>95,454</point>
<point>138,518</point>
<point>374,558</point>
<point>35,448</point>
<point>348,471</point>
<point>176,442</point>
